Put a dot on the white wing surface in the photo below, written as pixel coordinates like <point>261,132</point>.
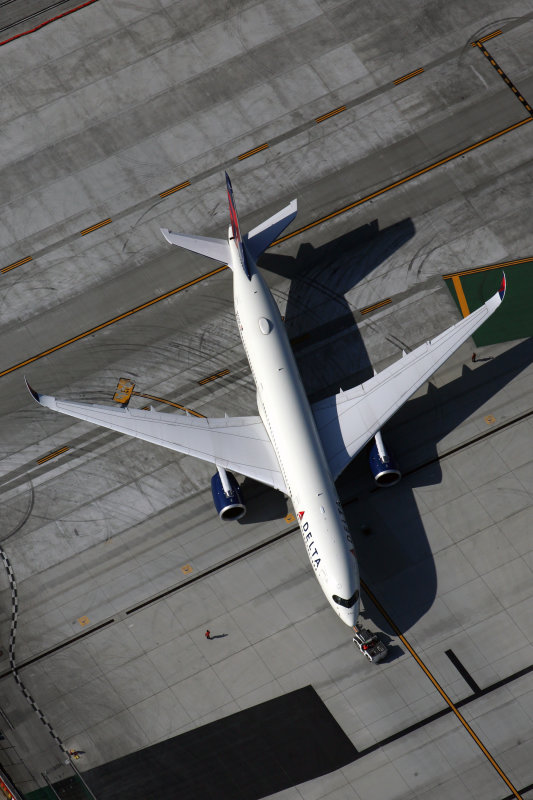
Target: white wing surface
<point>236,443</point>
<point>348,420</point>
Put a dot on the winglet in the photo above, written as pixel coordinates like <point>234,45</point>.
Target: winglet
<point>43,399</point>
<point>503,287</point>
<point>36,396</point>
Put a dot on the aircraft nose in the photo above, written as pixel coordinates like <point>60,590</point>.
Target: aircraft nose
<point>352,615</point>
<point>348,615</point>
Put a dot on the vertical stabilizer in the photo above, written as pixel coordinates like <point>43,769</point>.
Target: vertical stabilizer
<point>235,226</point>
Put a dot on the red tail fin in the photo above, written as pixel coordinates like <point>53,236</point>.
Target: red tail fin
<point>235,225</point>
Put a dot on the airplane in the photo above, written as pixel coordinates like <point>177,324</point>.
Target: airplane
<point>297,448</point>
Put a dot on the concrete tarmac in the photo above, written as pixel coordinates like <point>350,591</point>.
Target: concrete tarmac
<point>119,559</point>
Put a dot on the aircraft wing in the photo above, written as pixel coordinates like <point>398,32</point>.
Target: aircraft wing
<point>348,420</point>
<point>236,443</point>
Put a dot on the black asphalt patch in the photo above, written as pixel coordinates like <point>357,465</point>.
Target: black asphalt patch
<point>251,754</point>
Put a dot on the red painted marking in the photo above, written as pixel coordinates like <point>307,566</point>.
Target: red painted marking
<point>48,21</point>
<point>234,219</point>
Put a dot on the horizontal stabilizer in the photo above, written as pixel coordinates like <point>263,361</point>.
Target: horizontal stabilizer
<point>268,231</point>
<point>218,249</point>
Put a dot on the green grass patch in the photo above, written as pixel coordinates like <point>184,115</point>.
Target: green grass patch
<point>41,794</point>
<point>514,318</point>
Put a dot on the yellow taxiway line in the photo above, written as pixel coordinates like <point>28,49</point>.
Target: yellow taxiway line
<point>92,228</point>
<point>214,377</point>
<point>288,236</point>
<point>407,178</point>
<point>56,453</point>
<point>488,267</point>
<point>330,114</point>
<point>112,321</point>
<point>368,309</point>
<point>174,189</point>
<point>409,75</point>
<point>486,38</point>
<point>458,286</point>
<point>252,152</point>
<point>441,691</point>
<point>16,264</point>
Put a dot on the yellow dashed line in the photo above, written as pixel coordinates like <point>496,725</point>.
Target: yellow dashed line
<point>409,75</point>
<point>330,114</point>
<point>368,309</point>
<point>112,321</point>
<point>17,264</point>
<point>485,38</point>
<point>408,178</point>
<point>85,231</point>
<point>463,305</point>
<point>214,377</point>
<point>288,236</point>
<point>56,453</point>
<point>175,189</point>
<point>252,152</point>
<point>503,75</point>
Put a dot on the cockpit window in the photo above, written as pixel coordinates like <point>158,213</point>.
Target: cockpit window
<point>347,603</point>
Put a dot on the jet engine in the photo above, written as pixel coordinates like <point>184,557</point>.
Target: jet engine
<point>227,495</point>
<point>383,465</point>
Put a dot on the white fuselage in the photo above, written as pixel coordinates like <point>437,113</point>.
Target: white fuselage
<point>288,419</point>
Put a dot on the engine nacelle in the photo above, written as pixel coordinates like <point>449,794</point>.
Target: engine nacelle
<point>383,465</point>
<point>227,495</point>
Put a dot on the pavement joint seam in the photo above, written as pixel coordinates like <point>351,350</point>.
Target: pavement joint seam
<point>250,551</point>
<point>452,706</point>
<point>277,139</point>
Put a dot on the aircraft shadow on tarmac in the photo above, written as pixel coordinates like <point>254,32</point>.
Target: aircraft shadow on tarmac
<point>319,320</point>
<point>396,559</point>
<point>263,504</point>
